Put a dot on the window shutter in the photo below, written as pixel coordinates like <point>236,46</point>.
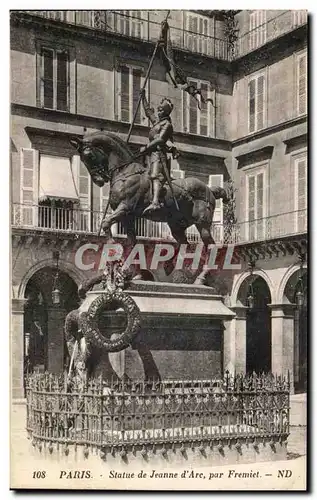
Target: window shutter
<point>203,30</point>
<point>193,112</point>
<point>185,104</point>
<point>29,186</point>
<point>252,29</point>
<point>260,102</point>
<point>250,233</point>
<point>62,81</point>
<point>190,43</point>
<point>301,195</point>
<point>136,87</point>
<point>84,186</point>
<point>262,27</point>
<point>104,196</point>
<point>103,193</point>
<point>251,198</point>
<point>204,111</point>
<point>215,181</point>
<point>252,106</point>
<point>195,36</point>
<point>176,172</point>
<point>136,25</point>
<point>260,196</point>
<point>110,20</point>
<point>302,84</point>
<point>125,93</point>
<point>302,184</point>
<point>85,17</point>
<point>47,78</point>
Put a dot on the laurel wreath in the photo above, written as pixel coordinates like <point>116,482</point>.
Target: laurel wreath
<point>106,301</point>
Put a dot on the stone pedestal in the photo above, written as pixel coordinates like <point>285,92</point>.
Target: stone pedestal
<point>17,348</point>
<point>182,334</point>
<point>55,339</point>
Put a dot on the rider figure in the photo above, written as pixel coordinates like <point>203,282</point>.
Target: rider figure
<point>161,143</point>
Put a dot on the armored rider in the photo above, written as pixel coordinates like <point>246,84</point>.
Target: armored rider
<point>160,143</point>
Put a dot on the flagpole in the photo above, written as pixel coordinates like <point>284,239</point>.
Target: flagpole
<point>144,84</point>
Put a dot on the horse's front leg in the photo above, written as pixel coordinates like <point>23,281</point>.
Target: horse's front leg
<point>129,224</point>
<point>116,216</point>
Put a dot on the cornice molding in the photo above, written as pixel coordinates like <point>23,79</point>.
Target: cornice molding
<point>269,130</point>
<point>255,155</point>
<point>140,134</point>
<point>273,247</point>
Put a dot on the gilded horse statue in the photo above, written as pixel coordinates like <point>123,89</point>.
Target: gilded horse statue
<point>190,201</point>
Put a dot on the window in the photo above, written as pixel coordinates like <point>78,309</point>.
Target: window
<point>257,102</point>
<point>129,82</point>
<point>299,17</point>
<point>197,33</point>
<point>130,23</point>
<point>256,205</point>
<point>301,83</point>
<point>257,27</point>
<point>195,120</point>
<point>300,163</point>
<point>103,200</point>
<point>215,181</point>
<point>58,195</point>
<point>54,79</point>
<point>85,17</point>
<point>84,187</point>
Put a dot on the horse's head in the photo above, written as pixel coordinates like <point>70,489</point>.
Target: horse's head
<point>101,152</point>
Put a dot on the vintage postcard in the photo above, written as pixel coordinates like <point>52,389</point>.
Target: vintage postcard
<point>159,249</point>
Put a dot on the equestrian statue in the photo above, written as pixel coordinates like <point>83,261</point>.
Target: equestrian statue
<point>138,190</point>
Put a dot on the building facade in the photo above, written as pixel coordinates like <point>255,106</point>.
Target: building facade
<point>76,70</point>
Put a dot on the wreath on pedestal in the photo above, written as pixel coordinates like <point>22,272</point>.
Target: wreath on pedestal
<point>105,302</point>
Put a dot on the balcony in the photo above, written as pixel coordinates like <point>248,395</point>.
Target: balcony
<point>281,24</point>
<point>137,24</point>
<point>86,221</point>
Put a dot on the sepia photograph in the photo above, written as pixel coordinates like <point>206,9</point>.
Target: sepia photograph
<point>158,241</point>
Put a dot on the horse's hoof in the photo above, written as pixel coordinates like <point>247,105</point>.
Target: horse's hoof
<point>151,208</point>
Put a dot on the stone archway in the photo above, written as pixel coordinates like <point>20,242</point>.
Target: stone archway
<point>76,275</point>
<point>297,282</point>
<point>258,324</point>
<point>44,348</point>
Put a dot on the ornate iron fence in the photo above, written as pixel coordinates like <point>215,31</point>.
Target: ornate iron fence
<point>116,414</point>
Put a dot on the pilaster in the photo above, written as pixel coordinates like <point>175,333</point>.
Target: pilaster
<point>282,331</point>
<point>17,348</point>
<point>240,338</point>
<point>55,341</point>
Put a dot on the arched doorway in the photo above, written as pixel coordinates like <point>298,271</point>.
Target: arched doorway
<point>258,324</point>
<point>43,320</point>
<point>296,284</point>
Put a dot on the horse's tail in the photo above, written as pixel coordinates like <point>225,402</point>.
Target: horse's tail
<point>219,193</point>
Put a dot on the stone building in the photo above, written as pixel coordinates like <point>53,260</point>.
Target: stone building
<point>76,70</point>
